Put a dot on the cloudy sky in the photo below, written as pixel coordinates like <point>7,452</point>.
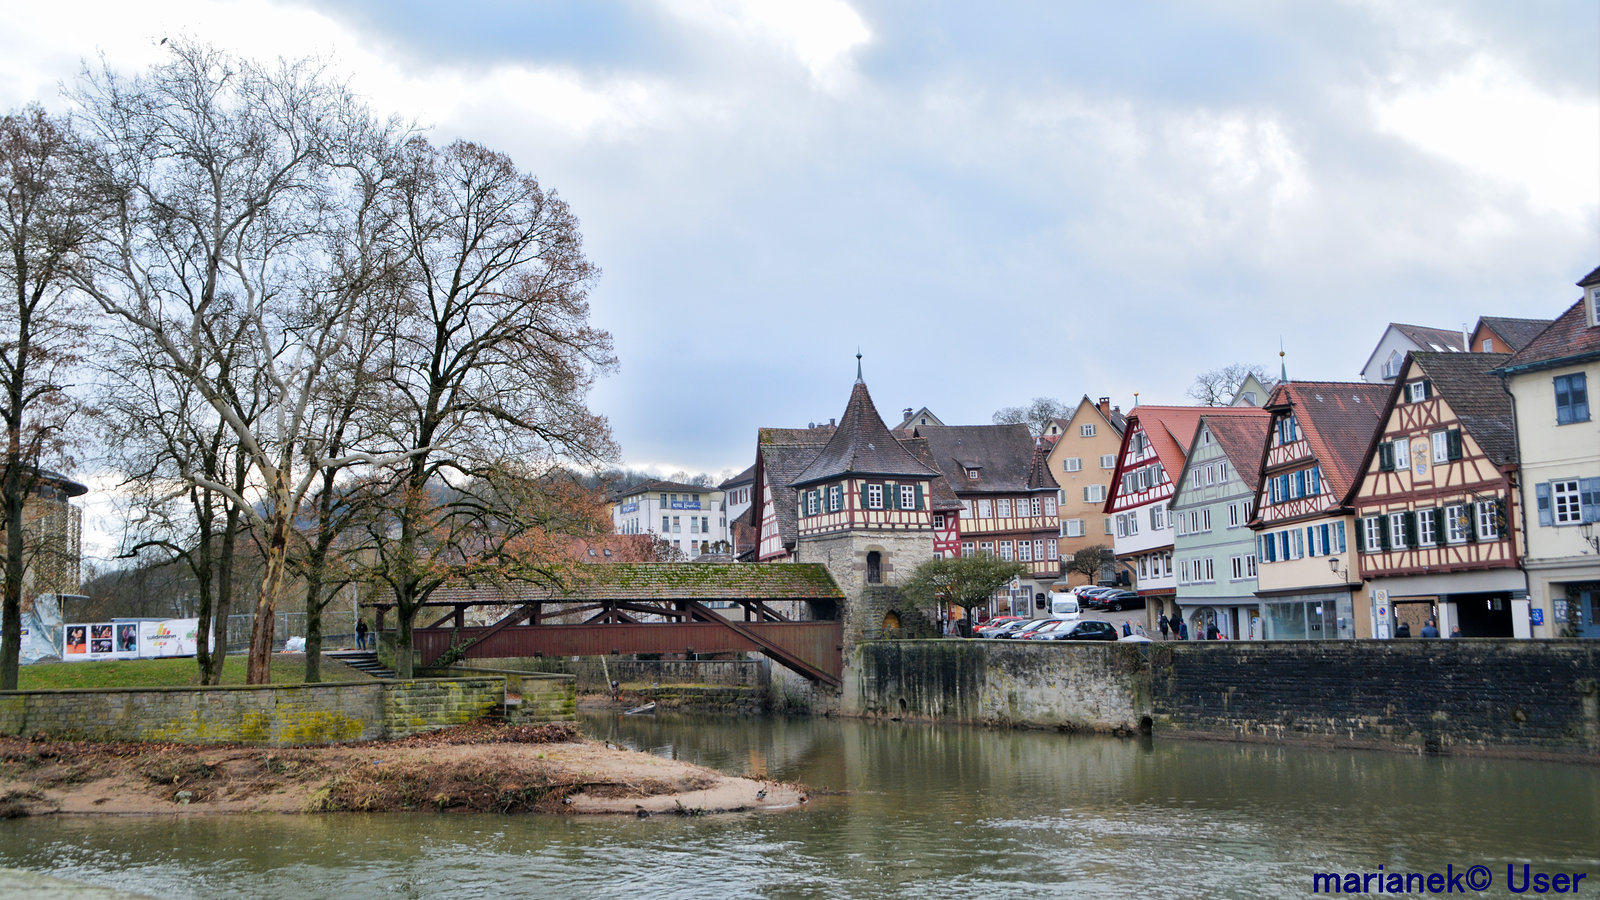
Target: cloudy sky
<point>1050,198</point>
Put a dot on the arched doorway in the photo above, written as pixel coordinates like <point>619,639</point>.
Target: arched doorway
<point>891,621</point>
<point>874,567</point>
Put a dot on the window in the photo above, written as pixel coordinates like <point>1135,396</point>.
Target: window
<point>938,521</point>
<point>1086,430</point>
<point>1488,520</point>
<point>666,525</point>
<point>1094,493</point>
<point>1427,527</point>
<point>1397,529</point>
<point>1572,398</point>
<point>835,498</point>
<point>1158,519</point>
<point>1109,461</point>
<point>1402,454</point>
<point>694,523</point>
<point>1441,447</point>
<point>705,524</point>
<point>1488,345</point>
<point>1002,508</point>
<point>1074,527</point>
<point>676,526</point>
<point>1108,525</point>
<point>1372,533</point>
<point>1416,391</point>
<point>1051,549</point>
<point>1455,524</point>
<point>986,548</point>
<point>1049,506</point>
<point>664,499</point>
<point>1024,551</point>
<point>1205,519</point>
<point>874,567</point>
<point>1233,515</point>
<point>966,509</point>
<point>985,509</point>
<point>1072,464</point>
<point>972,474</point>
<point>966,548</point>
<point>1567,501</point>
<point>1211,569</point>
<point>874,496</point>
<point>1144,567</point>
<point>908,496</point>
<point>1122,525</point>
<point>1133,523</point>
<point>1222,472</point>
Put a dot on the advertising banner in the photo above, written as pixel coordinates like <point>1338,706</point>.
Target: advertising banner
<point>169,637</point>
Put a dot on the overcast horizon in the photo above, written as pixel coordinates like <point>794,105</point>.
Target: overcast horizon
<point>1043,200</point>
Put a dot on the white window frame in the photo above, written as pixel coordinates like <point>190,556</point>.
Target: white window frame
<point>908,496</point>
<point>1051,550</point>
<point>1487,530</point>
<point>1024,551</point>
<point>835,498</point>
<point>1109,529</point>
<point>1108,461</point>
<point>1441,447</point>
<point>1205,519</point>
<point>1427,527</point>
<point>1372,530</point>
<point>1566,502</point>
<point>1417,391</point>
<point>1050,506</point>
<point>1158,519</point>
<point>1402,455</point>
<point>1002,508</point>
<point>938,521</point>
<point>1398,527</point>
<point>1036,506</point>
<point>967,549</point>
<point>1233,515</point>
<point>985,508</point>
<point>1072,464</point>
<point>874,496</point>
<point>1455,529</point>
<point>986,548</point>
<point>1005,550</point>
<point>1094,493</point>
<point>1086,429</point>
<point>1074,528</point>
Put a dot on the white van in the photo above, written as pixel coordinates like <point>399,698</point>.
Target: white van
<point>1063,606</point>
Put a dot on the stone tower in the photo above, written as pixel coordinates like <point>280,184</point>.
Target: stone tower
<point>864,508</point>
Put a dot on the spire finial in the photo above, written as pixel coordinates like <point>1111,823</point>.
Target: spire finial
<point>859,379</point>
<point>1283,367</point>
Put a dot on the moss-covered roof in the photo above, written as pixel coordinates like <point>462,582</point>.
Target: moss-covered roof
<point>662,581</point>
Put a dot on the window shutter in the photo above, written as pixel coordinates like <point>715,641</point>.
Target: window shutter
<point>1502,524</point>
<point>1385,539</point>
<point>1470,510</point>
<point>1361,535</point>
<point>1427,388</point>
<point>1453,443</point>
<point>1300,482</point>
<point>1542,494</point>
<point>1414,529</point>
<point>1589,499</point>
<point>863,495</point>
<point>919,495</point>
<point>1386,457</point>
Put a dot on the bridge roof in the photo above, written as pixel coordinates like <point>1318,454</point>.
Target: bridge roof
<point>660,581</point>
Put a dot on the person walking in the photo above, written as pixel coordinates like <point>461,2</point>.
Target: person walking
<point>1183,630</point>
<point>361,634</point>
<point>1164,625</point>
<point>1430,630</point>
<point>1127,630</point>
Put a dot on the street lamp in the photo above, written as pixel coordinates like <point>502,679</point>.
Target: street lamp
<point>1344,573</point>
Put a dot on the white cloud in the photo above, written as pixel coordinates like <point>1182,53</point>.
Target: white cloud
<point>1487,118</point>
<point>820,34</point>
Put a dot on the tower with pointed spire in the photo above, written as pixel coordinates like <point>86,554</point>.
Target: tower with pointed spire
<point>865,512</point>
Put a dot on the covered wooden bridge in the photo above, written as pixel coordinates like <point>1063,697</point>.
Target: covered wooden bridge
<point>788,611</point>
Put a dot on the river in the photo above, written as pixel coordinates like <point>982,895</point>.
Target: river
<point>900,811</point>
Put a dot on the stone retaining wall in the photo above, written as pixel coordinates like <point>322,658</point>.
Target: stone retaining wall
<point>268,715</point>
<point>591,674</point>
<point>1488,697</point>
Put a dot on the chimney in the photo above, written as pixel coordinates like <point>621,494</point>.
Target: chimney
<point>907,413</point>
<point>1105,407</point>
<point>832,422</point>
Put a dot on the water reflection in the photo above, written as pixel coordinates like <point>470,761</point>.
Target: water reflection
<point>901,810</point>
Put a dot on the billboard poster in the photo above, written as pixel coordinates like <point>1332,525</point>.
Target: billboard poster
<point>101,644</point>
<point>76,642</point>
<point>168,637</point>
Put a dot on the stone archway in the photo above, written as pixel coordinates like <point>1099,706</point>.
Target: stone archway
<point>891,620</point>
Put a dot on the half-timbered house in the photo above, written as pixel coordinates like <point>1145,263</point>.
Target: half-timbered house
<point>1437,523</point>
<point>1082,461</point>
<point>1213,545</point>
<point>781,455</point>
<point>1317,441</point>
<point>1140,503</point>
<point>1551,381</point>
<point>1007,500</point>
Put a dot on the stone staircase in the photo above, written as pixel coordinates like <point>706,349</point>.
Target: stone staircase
<point>362,661</point>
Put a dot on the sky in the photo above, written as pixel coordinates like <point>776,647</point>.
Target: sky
<point>992,202</point>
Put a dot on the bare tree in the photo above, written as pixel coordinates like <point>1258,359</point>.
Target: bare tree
<point>240,193</point>
<point>1094,562</point>
<point>1037,415</point>
<point>493,357</point>
<point>1218,386</point>
<point>44,221</point>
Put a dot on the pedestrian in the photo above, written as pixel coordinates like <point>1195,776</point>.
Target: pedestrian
<point>1164,625</point>
<point>1403,630</point>
<point>1430,630</point>
<point>1138,629</point>
<point>361,634</point>
<point>1455,631</point>
<point>1211,631</point>
<point>1127,630</point>
<point>1183,630</point>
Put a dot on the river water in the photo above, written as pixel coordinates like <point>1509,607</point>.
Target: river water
<point>901,811</point>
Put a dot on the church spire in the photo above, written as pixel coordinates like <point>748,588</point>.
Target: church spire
<point>1283,367</point>
<point>859,379</point>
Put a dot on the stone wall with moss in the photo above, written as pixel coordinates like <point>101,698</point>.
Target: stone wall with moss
<point>267,715</point>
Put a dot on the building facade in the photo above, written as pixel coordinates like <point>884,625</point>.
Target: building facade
<point>1550,381</point>
<point>1437,529</point>
<point>1398,340</point>
<point>1308,581</point>
<point>1213,547</point>
<point>690,517</point>
<point>1083,460</point>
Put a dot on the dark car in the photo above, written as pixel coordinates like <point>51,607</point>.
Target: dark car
<point>1119,601</point>
<point>1088,630</point>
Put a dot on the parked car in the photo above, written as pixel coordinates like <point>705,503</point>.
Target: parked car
<point>1048,631</point>
<point>1092,596</point>
<point>1086,631</point>
<point>995,624</point>
<point>1031,627</point>
<point>1001,629</point>
<point>1116,600</point>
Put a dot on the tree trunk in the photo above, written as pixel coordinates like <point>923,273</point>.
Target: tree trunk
<point>259,668</point>
<point>404,665</point>
<point>11,634</point>
<point>314,623</point>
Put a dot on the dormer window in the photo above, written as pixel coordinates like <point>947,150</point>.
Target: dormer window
<point>972,473</point>
<point>1488,345</point>
<point>1417,391</point>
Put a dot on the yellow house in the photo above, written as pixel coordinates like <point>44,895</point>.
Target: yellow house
<point>1083,461</point>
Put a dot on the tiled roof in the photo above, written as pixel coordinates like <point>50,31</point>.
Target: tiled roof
<point>1002,454</point>
<point>665,581</point>
<point>785,453</point>
<point>1338,419</point>
<point>1568,339</point>
<point>745,477</point>
<point>862,445</point>
<point>1170,428</point>
<point>1515,332</point>
<point>660,485</point>
<point>1427,338</point>
<point>1591,278</point>
<point>1244,440</point>
<point>942,497</point>
<point>1476,396</point>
